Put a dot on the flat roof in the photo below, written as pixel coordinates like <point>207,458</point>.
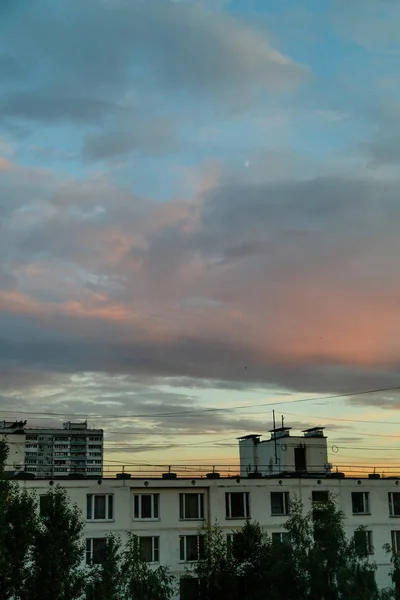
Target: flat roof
<point>279,429</point>
<point>312,429</point>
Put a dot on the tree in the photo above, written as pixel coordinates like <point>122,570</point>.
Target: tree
<point>252,552</point>
<point>333,567</point>
<point>105,579</point>
<point>392,593</point>
<point>18,524</point>
<point>57,554</point>
<point>140,580</point>
<point>215,572</point>
<point>314,561</point>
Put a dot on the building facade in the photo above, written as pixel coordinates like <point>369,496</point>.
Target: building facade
<point>72,450</point>
<point>15,437</point>
<point>167,514</point>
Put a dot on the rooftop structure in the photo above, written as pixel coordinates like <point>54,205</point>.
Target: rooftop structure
<point>284,452</point>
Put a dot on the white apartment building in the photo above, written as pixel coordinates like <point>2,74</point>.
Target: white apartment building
<point>52,452</point>
<point>15,439</point>
<point>167,514</point>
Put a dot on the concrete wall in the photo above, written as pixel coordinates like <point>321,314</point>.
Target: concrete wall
<point>16,447</point>
<point>169,526</point>
<point>260,455</point>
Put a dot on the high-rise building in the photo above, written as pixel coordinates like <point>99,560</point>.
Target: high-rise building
<point>49,452</point>
<point>15,437</point>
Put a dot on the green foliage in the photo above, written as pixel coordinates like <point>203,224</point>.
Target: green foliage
<point>18,524</point>
<point>393,592</point>
<point>316,562</point>
<point>105,580</point>
<point>216,570</point>
<point>333,567</point>
<point>58,551</point>
<point>140,580</point>
<point>41,557</point>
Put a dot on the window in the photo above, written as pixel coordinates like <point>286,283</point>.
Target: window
<point>394,504</point>
<point>237,505</point>
<point>191,547</point>
<point>360,503</point>
<point>191,506</point>
<point>146,506</point>
<point>95,550</point>
<point>44,504</point>
<point>189,588</point>
<point>395,541</point>
<point>99,506</point>
<point>150,549</point>
<point>320,496</point>
<point>279,503</point>
<point>281,537</point>
<point>363,542</point>
<point>231,542</point>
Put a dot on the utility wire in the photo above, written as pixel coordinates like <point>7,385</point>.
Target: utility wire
<point>204,410</point>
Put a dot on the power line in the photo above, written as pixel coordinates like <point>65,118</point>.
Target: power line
<point>346,420</point>
<point>204,410</point>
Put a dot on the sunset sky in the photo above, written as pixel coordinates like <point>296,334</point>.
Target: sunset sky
<point>200,210</point>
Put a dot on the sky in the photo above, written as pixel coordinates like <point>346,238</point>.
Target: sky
<point>199,218</point>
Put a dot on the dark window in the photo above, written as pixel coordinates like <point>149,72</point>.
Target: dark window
<point>300,459</point>
<point>320,496</point>
<point>44,504</point>
<point>191,506</point>
<point>149,549</point>
<point>394,504</point>
<point>281,537</point>
<point>189,588</point>
<point>99,506</point>
<point>360,503</point>
<point>95,550</point>
<point>145,506</point>
<point>191,547</point>
<point>232,543</point>
<point>395,541</point>
<point>363,542</point>
<point>279,503</point>
<point>237,505</point>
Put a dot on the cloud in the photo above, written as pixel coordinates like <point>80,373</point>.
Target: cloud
<point>42,107</point>
<point>370,23</point>
<point>181,52</point>
<point>385,149</point>
<point>257,284</point>
<point>152,137</point>
<point>389,400</point>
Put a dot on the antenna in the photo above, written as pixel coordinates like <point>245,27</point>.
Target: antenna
<point>276,451</point>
